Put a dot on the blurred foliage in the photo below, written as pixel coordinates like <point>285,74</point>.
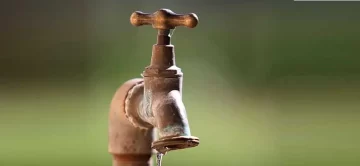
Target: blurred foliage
<point>264,84</point>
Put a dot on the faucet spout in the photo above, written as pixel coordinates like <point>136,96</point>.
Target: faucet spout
<point>172,123</point>
<point>170,114</point>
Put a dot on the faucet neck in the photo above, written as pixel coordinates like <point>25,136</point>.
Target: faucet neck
<point>163,37</point>
<point>163,57</point>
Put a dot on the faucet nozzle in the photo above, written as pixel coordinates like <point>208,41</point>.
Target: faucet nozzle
<point>165,144</point>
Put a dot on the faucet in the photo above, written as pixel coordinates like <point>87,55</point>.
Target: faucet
<point>141,105</point>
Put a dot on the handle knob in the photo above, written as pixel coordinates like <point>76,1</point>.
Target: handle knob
<point>164,19</point>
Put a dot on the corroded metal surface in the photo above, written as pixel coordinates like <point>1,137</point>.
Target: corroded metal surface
<point>164,19</point>
<point>166,144</point>
<point>135,98</point>
<point>154,101</point>
<point>132,160</point>
<point>126,142</point>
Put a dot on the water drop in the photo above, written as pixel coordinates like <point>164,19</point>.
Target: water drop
<point>159,157</point>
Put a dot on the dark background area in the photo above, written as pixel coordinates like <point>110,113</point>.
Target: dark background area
<point>265,83</point>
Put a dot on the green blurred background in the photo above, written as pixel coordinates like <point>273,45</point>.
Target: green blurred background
<point>265,84</point>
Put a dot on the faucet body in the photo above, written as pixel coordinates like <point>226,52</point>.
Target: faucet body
<point>153,102</point>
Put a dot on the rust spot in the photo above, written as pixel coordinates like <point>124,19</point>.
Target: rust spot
<point>132,157</point>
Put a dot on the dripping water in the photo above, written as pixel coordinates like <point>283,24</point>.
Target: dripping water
<point>159,157</point>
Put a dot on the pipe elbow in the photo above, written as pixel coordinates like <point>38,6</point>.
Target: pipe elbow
<point>127,142</point>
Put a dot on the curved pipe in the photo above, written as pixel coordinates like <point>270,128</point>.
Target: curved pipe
<point>129,145</point>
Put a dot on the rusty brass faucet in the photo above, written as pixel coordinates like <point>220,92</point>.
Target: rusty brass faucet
<point>154,101</point>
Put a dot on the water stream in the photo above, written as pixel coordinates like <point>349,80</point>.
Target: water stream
<point>159,157</point>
